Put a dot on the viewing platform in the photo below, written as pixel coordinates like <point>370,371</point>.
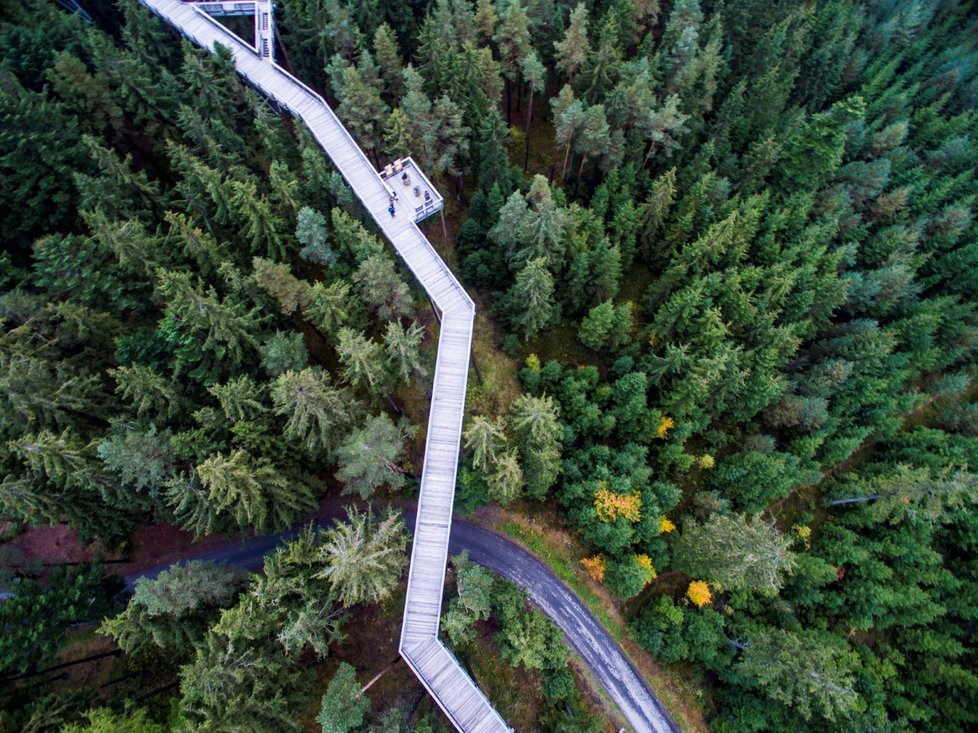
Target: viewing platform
<point>413,191</point>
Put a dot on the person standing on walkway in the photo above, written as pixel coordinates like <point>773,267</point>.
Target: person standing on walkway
<point>391,208</point>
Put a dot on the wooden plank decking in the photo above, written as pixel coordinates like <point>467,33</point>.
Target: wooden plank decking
<point>439,672</point>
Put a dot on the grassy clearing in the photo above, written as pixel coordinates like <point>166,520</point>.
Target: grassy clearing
<point>561,343</point>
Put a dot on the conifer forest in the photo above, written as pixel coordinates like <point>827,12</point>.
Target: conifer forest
<point>724,383</point>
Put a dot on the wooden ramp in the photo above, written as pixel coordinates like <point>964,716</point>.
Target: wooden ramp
<point>438,670</point>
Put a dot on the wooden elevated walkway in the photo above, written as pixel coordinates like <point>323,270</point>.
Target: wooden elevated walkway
<point>438,670</point>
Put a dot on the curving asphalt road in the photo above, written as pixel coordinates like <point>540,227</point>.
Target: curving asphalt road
<point>599,651</point>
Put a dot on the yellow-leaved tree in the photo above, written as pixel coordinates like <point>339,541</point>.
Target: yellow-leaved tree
<point>609,505</point>
<point>699,593</point>
<point>595,567</point>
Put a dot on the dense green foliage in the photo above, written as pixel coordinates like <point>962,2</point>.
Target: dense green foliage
<point>37,616</point>
<point>343,706</point>
<point>174,610</point>
<point>183,331</point>
<point>758,221</point>
<point>751,222</point>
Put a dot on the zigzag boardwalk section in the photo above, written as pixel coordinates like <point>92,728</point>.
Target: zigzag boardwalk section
<point>435,666</point>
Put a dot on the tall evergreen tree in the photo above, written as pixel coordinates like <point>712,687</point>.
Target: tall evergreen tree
<point>369,457</point>
<point>365,556</point>
<point>315,409</point>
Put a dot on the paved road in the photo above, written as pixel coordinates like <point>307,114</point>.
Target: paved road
<point>599,651</point>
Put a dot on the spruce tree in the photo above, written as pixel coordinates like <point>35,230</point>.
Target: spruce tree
<point>365,556</point>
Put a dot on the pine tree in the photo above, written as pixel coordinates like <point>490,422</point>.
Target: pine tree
<point>531,299</point>
<point>343,707</point>
<point>538,432</point>
<point>284,351</point>
<point>593,138</point>
<point>506,479</point>
<point>511,216</point>
<point>486,19</point>
<point>606,326</point>
<point>261,225</point>
<point>290,603</point>
<point>513,41</point>
<point>134,249</point>
<point>36,618</point>
<point>631,99</point>
<point>254,493</point>
<point>226,327</point>
<point>363,361</point>
<point>199,246</point>
<point>573,49</point>
<point>174,610</point>
<point>389,60</point>
<point>43,194</point>
<point>120,191</point>
<point>365,556</point>
<point>313,235</point>
<point>527,637</point>
<point>278,281</point>
<point>472,602</point>
<point>40,392</point>
<point>63,460</point>
<point>240,680</point>
<point>82,92</point>
<point>368,457</point>
<point>662,126</point>
<point>806,671</point>
<point>525,233</point>
<point>486,439</point>
<point>816,150</point>
<point>382,289</point>
<point>316,411</point>
<point>329,308</point>
<point>140,458</point>
<point>403,347</point>
<point>240,398</point>
<point>399,135</point>
<point>416,113</point>
<point>150,393</point>
<point>452,138</point>
<point>362,108</point>
<point>493,159</point>
<point>735,552</point>
<point>602,65</point>
<point>535,75</point>
<point>644,15</point>
<point>568,122</point>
